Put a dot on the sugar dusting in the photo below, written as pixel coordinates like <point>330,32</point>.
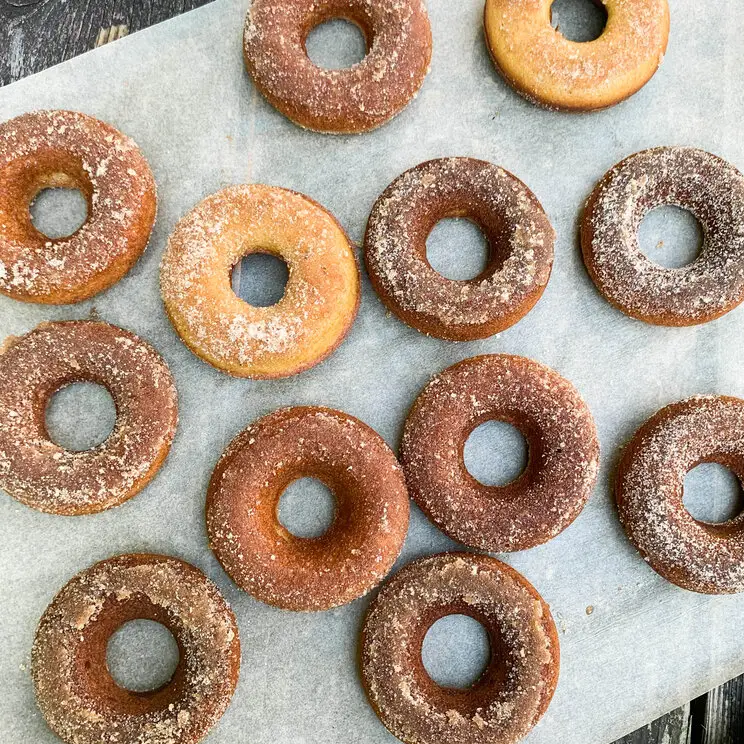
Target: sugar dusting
<point>563,452</point>
<point>419,712</point>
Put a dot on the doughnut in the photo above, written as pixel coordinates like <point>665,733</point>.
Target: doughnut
<point>548,69</point>
<point>41,474</point>
<point>367,534</point>
<point>320,301</point>
<point>649,487</point>
<point>77,695</point>
<point>347,101</point>
<point>519,235</point>
<point>713,191</point>
<point>516,687</point>
<point>562,462</point>
<point>65,149</point>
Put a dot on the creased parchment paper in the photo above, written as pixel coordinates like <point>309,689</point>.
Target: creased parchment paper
<point>180,90</point>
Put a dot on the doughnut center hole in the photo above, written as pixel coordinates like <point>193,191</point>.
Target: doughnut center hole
<point>260,279</point>
<point>58,212</point>
<point>713,494</point>
<point>80,416</point>
<point>142,656</point>
<point>336,44</point>
<point>670,236</point>
<point>307,508</point>
<point>495,453</point>
<point>456,651</point>
<point>457,249</point>
<point>579,20</point>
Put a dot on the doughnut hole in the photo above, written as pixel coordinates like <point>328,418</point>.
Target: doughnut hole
<point>670,236</point>
<point>59,212</point>
<point>142,656</point>
<point>456,651</point>
<point>579,20</point>
<point>307,508</point>
<point>495,453</point>
<point>336,44</point>
<point>80,416</point>
<point>713,494</point>
<point>260,279</point>
<point>457,249</point>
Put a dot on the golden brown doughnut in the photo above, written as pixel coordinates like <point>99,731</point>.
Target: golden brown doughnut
<point>518,231</point>
<point>649,488</point>
<point>562,463</point>
<point>555,72</point>
<point>65,149</point>
<point>320,301</point>
<point>47,477</point>
<point>713,191</point>
<point>80,700</point>
<point>367,534</point>
<point>356,99</point>
<point>516,688</point>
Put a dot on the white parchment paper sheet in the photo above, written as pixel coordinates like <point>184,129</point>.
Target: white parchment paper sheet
<point>180,90</point>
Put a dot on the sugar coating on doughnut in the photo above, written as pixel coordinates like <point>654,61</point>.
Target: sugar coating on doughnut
<point>513,692</point>
<point>337,101</point>
<point>74,689</point>
<point>320,300</point>
<point>550,70</point>
<point>367,534</point>
<point>47,149</point>
<point>520,239</point>
<point>45,476</point>
<point>563,452</point>
<point>699,556</point>
<point>695,180</point>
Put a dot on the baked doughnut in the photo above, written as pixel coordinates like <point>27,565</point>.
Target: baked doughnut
<point>710,188</point>
<point>77,695</point>
<point>64,149</point>
<point>699,556</point>
<point>355,99</point>
<point>516,687</point>
<point>367,534</point>
<point>562,463</point>
<point>320,301</point>
<point>47,477</point>
<point>519,235</point>
<point>539,62</point>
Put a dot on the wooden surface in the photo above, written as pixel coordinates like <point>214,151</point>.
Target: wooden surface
<point>35,34</point>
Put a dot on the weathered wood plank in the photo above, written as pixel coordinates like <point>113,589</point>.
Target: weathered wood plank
<point>673,728</point>
<point>724,714</point>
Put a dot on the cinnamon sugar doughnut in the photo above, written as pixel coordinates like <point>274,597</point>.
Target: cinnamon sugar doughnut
<point>367,534</point>
<point>649,488</point>
<point>562,463</point>
<point>65,149</point>
<point>47,477</point>
<point>516,688</point>
<point>707,186</point>
<point>553,71</point>
<point>80,700</point>
<point>320,301</point>
<point>519,235</point>
<point>356,99</point>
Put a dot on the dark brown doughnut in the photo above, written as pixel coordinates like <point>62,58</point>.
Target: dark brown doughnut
<point>47,477</point>
<point>519,235</point>
<point>710,188</point>
<point>80,700</point>
<point>563,452</point>
<point>346,101</point>
<point>65,149</point>
<point>649,489</point>
<point>518,684</point>
<point>367,534</point>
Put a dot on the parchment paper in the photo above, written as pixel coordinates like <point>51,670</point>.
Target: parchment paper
<point>180,90</point>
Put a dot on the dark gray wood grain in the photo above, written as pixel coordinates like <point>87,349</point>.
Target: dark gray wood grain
<point>36,34</point>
